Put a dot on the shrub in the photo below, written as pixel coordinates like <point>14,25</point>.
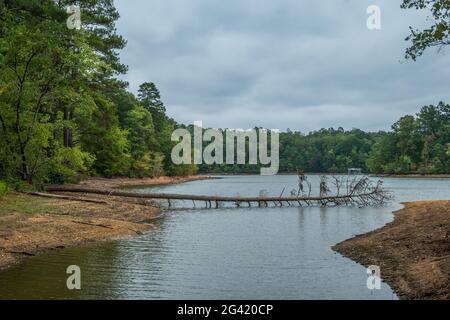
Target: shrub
<point>68,164</point>
<point>3,188</point>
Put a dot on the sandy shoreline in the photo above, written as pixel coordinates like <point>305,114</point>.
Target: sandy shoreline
<point>135,182</point>
<point>413,251</point>
<point>32,225</point>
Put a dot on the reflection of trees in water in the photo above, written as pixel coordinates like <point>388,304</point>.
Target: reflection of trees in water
<point>116,267</point>
<point>99,270</point>
<point>105,269</point>
<point>111,269</point>
<point>44,277</point>
<point>33,279</point>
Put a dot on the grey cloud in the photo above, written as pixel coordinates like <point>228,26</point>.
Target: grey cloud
<point>281,64</point>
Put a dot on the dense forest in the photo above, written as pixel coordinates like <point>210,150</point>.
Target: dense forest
<point>65,114</point>
<point>416,144</point>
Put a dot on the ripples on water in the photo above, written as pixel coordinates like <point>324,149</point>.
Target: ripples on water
<point>246,253</point>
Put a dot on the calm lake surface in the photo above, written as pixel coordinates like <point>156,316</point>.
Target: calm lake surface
<point>245,253</point>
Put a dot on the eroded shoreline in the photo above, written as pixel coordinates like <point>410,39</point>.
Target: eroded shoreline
<point>413,251</point>
<point>32,225</point>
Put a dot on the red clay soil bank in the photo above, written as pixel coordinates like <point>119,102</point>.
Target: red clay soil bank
<point>413,251</point>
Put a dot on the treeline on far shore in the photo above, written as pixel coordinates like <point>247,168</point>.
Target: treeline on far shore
<point>416,144</point>
<point>64,113</point>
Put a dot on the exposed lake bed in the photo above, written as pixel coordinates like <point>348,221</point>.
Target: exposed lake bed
<point>245,253</point>
<point>413,250</point>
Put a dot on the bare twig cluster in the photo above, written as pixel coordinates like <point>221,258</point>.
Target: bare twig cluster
<point>360,191</point>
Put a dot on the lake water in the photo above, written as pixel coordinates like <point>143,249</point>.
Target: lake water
<point>245,253</point>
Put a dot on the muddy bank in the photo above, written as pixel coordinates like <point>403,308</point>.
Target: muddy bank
<point>413,251</point>
<point>31,225</point>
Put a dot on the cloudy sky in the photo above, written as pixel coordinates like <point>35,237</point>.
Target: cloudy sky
<point>298,64</point>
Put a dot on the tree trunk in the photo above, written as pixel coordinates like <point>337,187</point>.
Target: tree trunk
<point>67,131</point>
<point>26,175</point>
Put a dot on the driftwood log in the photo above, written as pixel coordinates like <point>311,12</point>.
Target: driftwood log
<point>361,192</point>
<point>60,197</point>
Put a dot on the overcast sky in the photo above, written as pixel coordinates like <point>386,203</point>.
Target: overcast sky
<point>298,64</point>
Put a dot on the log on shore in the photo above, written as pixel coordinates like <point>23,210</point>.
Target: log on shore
<point>56,196</point>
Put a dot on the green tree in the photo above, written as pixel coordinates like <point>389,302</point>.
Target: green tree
<point>33,62</point>
<point>437,35</point>
<point>99,133</point>
<point>434,127</point>
<point>408,138</point>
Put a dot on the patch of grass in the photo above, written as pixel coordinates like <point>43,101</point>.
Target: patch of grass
<point>23,204</point>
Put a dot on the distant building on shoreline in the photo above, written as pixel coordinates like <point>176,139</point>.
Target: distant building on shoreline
<point>354,171</point>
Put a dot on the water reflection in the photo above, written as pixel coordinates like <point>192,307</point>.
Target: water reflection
<point>246,253</point>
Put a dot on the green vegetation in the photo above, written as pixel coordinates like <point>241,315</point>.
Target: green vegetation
<point>15,208</point>
<point>416,144</point>
<point>65,114</point>
<point>419,144</point>
<point>326,150</point>
<point>3,188</point>
<point>24,205</point>
<point>437,35</point>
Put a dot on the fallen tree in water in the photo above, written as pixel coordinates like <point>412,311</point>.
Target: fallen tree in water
<point>360,192</point>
